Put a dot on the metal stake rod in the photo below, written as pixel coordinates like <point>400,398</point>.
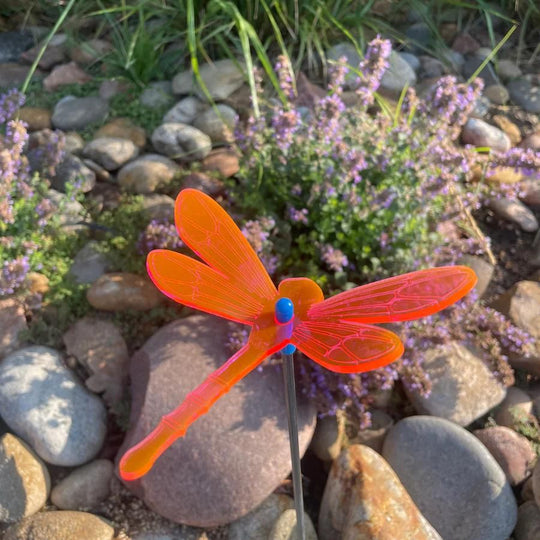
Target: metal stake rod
<point>290,402</point>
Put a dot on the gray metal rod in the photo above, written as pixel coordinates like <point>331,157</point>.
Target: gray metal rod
<point>290,402</point>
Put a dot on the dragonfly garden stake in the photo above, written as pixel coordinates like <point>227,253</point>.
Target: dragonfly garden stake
<point>232,283</point>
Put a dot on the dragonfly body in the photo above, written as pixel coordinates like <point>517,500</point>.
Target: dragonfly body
<point>231,282</point>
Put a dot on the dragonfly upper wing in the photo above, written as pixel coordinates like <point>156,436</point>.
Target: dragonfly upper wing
<point>399,298</point>
<point>211,233</point>
<point>347,347</point>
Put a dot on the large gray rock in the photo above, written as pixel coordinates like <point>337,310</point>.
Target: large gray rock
<point>525,95</point>
<point>231,458</point>
<point>111,152</point>
<point>72,113</point>
<point>148,173</point>
<point>218,123</point>
<point>89,264</point>
<point>71,170</point>
<point>453,479</point>
<point>398,75</point>
<point>347,50</point>
<point>185,111</point>
<point>180,141</point>
<point>43,402</point>
<point>480,133</point>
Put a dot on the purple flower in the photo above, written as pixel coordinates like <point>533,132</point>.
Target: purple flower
<point>158,235</point>
<point>13,274</point>
<point>334,258</point>
<point>372,68</point>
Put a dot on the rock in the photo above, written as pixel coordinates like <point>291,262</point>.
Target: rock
<point>453,479</point>
<point>527,493</point>
<point>525,95</point>
<point>72,171</point>
<point>348,50</point>
<point>123,128</point>
<point>507,69</point>
<point>218,123</point>
<point>89,51</point>
<point>364,498</point>
<point>516,212</point>
<point>223,161</point>
<point>480,107</point>
<point>36,117</point>
<point>516,405</point>
<point>65,74</point>
<point>398,75</point>
<point>13,44</point>
<point>111,152</point>
<point>180,141</point>
<point>148,173</point>
<point>528,522</point>
<point>221,79</point>
<point>511,451</point>
<point>419,37</point>
<point>85,487</point>
<point>243,436</point>
<point>74,143</point>
<point>24,480</point>
<point>36,283</point>
<point>70,213</point>
<point>99,346</point>
<point>498,175</point>
<point>480,133</point>
<point>112,87</point>
<point>257,525</point>
<point>431,67</point>
<point>487,73</point>
<point>121,291</point>
<point>13,75</point>
<point>328,438</point>
<point>463,388</point>
<point>464,43</point>
<point>483,270</point>
<point>308,94</point>
<point>43,402</point>
<point>536,482</point>
<point>203,182</point>
<point>12,322</point>
<point>102,175</point>
<point>159,207</point>
<point>513,132</point>
<point>72,113</point>
<point>61,525</point>
<point>157,94</point>
<point>532,141</point>
<point>374,435</point>
<point>285,527</point>
<point>88,264</point>
<point>185,111</point>
<point>497,93</point>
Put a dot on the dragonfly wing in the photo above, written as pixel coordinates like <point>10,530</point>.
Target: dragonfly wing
<point>399,298</point>
<point>190,282</point>
<point>347,347</point>
<point>211,233</point>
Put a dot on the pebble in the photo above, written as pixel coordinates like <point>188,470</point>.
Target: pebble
<point>508,69</point>
<point>258,523</point>
<point>37,118</point>
<point>223,161</point>
<point>243,436</point>
<point>525,95</point>
<point>480,133</point>
<point>44,403</point>
<point>112,87</point>
<point>13,44</point>
<point>88,264</point>
<point>464,43</point>
<point>398,75</point>
<point>148,173</point>
<point>74,143</point>
<point>412,60</point>
<point>516,212</point>
<point>221,79</point>
<point>532,141</point>
<point>431,67</point>
<point>111,152</point>
<point>516,405</point>
<point>487,73</point>
<point>180,141</point>
<point>37,284</point>
<point>61,525</point>
<point>218,123</point>
<point>72,113</point>
<point>24,480</point>
<point>528,523</point>
<point>12,322</point>
<point>512,451</point>
<point>328,438</point>
<point>364,498</point>
<point>72,171</point>
<point>463,388</point>
<point>123,128</point>
<point>65,74</point>
<point>158,206</point>
<point>513,132</point>
<point>121,291</point>
<point>203,182</point>
<point>157,94</point>
<point>483,270</point>
<point>453,479</point>
<point>374,435</point>
<point>419,37</point>
<point>99,346</point>
<point>185,111</point>
<point>85,487</point>
<point>285,527</point>
<point>88,52</point>
<point>497,93</point>
<point>13,75</point>
<point>69,212</point>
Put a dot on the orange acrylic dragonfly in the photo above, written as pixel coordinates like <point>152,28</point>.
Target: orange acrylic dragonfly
<point>232,283</point>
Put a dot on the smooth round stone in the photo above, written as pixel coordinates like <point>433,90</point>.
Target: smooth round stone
<point>44,403</point>
<point>497,93</point>
<point>185,111</point>
<point>525,95</point>
<point>60,525</point>
<point>123,128</point>
<point>121,291</point>
<point>72,113</point>
<point>453,479</point>
<point>512,130</point>
<point>348,50</point>
<point>159,206</point>
<point>111,152</point>
<point>13,44</point>
<point>12,322</point>
<point>88,52</point>
<point>157,94</point>
<point>328,438</point>
<point>88,264</point>
<point>148,173</point>
<point>516,405</point>
<point>74,172</point>
<point>84,488</point>
<point>480,133</point>
<point>512,451</point>
<point>24,480</point>
<point>64,74</point>
<point>483,270</point>
<point>222,161</point>
<point>218,123</point>
<point>285,527</point>
<point>233,456</point>
<point>516,212</point>
<point>528,523</point>
<point>36,118</point>
<point>507,69</point>
<point>398,75</point>
<point>180,141</point>
<point>532,141</point>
